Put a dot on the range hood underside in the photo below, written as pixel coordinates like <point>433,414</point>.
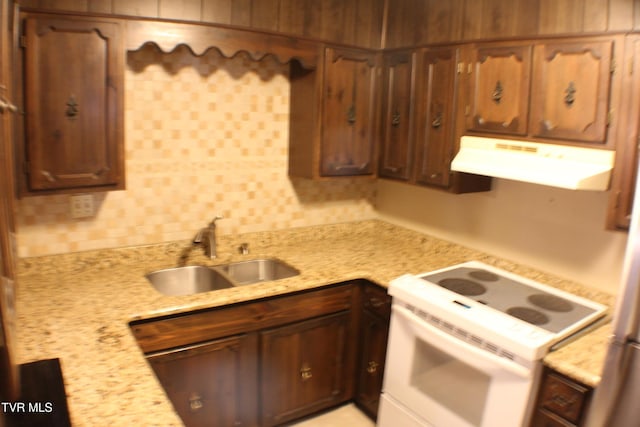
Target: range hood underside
<point>561,166</point>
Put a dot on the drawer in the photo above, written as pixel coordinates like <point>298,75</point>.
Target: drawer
<point>376,300</point>
<point>543,418</point>
<point>193,327</point>
<point>564,397</point>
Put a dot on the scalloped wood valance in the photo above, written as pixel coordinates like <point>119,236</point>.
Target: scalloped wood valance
<point>229,41</point>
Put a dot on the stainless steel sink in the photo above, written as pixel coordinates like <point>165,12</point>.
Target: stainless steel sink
<point>257,270</point>
<point>188,280</point>
<point>195,279</point>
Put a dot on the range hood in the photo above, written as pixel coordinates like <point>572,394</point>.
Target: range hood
<point>563,166</point>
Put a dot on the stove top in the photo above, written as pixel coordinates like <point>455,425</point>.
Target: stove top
<point>521,315</point>
<point>514,297</point>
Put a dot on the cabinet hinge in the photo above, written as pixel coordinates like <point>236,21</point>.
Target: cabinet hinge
<point>613,66</point>
<point>609,118</point>
<point>469,68</point>
<point>460,68</point>
<point>23,41</point>
<point>467,109</point>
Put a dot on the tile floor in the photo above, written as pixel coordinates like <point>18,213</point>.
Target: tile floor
<point>347,415</point>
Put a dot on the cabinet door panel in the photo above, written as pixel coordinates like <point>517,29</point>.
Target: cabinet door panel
<point>212,384</point>
<point>304,367</point>
<point>434,137</point>
<point>73,90</point>
<point>349,113</point>
<point>397,121</point>
<point>501,89</point>
<point>626,168</point>
<point>374,349</point>
<point>571,91</point>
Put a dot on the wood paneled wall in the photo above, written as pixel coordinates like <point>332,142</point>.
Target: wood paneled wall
<point>416,22</point>
<point>364,23</point>
<point>354,22</point>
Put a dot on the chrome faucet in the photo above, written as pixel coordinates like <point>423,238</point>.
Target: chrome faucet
<point>208,234</point>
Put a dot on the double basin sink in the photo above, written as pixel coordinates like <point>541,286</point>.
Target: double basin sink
<point>195,279</point>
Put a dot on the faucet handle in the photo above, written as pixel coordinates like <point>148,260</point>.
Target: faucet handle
<point>215,218</point>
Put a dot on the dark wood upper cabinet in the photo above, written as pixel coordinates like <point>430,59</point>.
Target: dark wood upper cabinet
<point>500,93</point>
<point>436,103</point>
<point>396,156</point>
<point>74,90</point>
<point>623,180</point>
<point>349,113</point>
<point>571,96</point>
<point>548,90</point>
<point>334,119</point>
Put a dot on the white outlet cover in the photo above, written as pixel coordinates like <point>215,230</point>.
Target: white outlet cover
<point>81,205</point>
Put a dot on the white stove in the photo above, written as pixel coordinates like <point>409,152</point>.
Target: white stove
<point>495,308</point>
<point>466,343</point>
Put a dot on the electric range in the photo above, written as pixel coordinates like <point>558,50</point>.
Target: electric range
<point>496,310</point>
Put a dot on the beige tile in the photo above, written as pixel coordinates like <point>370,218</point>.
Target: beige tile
<point>203,136</point>
<point>347,415</point>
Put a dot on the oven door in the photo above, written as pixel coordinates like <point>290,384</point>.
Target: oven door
<point>447,382</point>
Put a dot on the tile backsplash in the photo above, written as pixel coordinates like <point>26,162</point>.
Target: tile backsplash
<point>204,136</point>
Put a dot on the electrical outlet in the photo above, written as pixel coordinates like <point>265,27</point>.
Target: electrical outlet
<point>81,205</point>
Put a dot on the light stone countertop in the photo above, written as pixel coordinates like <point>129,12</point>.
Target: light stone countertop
<point>77,307</point>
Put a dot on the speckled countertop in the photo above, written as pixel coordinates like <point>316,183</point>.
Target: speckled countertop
<point>76,307</point>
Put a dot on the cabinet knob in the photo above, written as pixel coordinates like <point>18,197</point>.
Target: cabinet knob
<point>72,107</point>
<point>395,119</point>
<point>351,115</point>
<point>437,121</point>
<point>496,95</point>
<point>7,106</point>
<point>372,367</point>
<point>195,402</point>
<point>570,94</point>
<point>305,372</point>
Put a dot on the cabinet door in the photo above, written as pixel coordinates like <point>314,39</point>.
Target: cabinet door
<point>397,119</point>
<point>500,93</point>
<point>9,372</point>
<point>304,367</point>
<point>73,98</point>
<point>571,92</point>
<point>371,370</point>
<point>625,171</point>
<point>213,384</point>
<point>349,113</point>
<point>436,108</point>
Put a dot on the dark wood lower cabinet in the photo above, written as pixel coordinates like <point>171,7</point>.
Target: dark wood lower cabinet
<point>305,367</point>
<point>371,370</point>
<point>374,330</point>
<point>212,384</point>
<point>270,361</point>
<point>562,402</point>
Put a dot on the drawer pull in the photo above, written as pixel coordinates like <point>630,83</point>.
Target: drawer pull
<point>376,302</point>
<point>372,367</point>
<point>195,402</point>
<point>305,372</point>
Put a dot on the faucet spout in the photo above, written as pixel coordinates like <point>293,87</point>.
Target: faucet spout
<point>207,236</point>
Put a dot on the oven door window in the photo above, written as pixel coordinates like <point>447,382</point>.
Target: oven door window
<point>452,383</point>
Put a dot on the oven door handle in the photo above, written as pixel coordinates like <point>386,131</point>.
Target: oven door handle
<point>457,347</point>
